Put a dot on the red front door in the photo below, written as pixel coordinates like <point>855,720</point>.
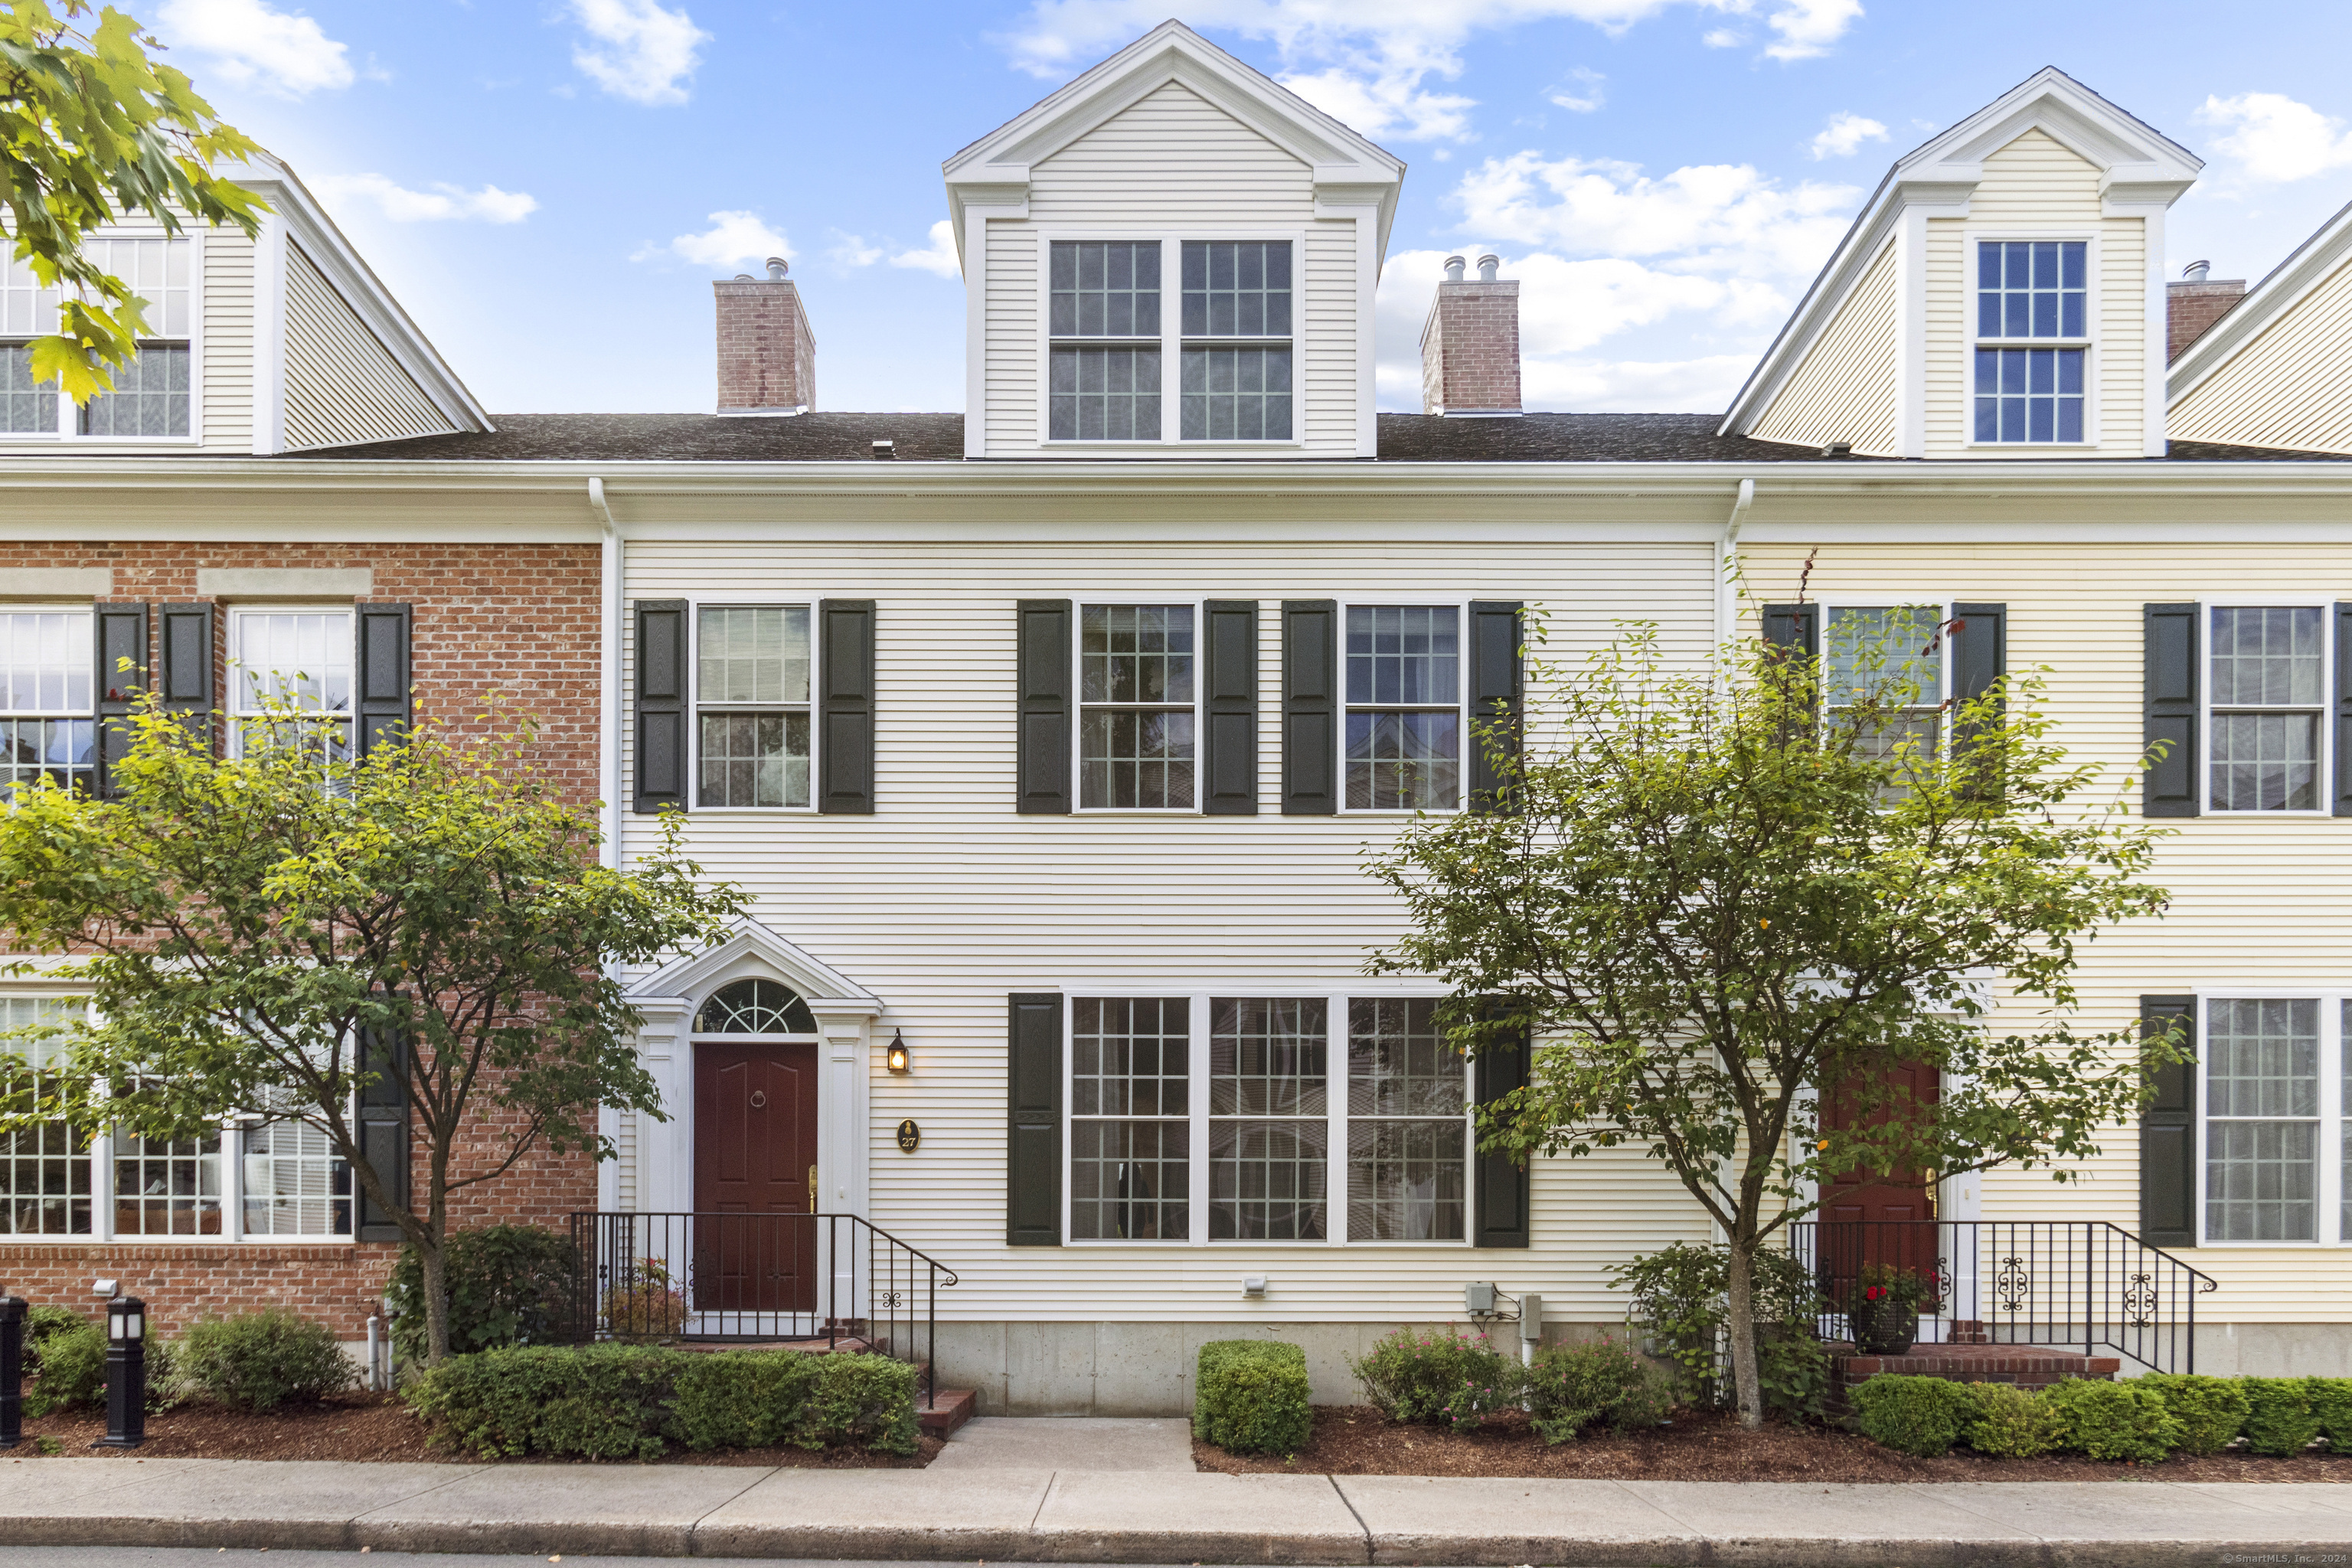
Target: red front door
<point>1879,1216</point>
<point>754,1178</point>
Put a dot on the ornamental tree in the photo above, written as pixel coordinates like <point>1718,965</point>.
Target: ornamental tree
<point>286,934</point>
<point>91,129</point>
<point>1716,899</point>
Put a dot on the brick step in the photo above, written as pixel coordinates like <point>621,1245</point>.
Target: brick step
<point>952,1409</point>
<point>2029,1367</point>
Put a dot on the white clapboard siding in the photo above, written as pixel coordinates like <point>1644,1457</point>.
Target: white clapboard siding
<point>342,385</point>
<point>2291,387</point>
<point>2251,896</point>
<point>1174,162</point>
<point>1846,390</point>
<point>2034,186</point>
<point>225,383</point>
<point>946,900</point>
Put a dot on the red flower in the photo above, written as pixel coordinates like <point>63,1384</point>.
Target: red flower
<point>1873,1293</point>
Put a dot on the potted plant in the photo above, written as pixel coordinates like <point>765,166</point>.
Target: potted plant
<point>1885,1308</point>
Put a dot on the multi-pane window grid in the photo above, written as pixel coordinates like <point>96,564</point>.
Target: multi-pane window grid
<point>2030,290</point>
<point>46,699</point>
<point>297,659</point>
<point>2262,1126</point>
<point>1236,391</point>
<point>44,1169</point>
<point>2267,683</point>
<point>752,692</point>
<point>151,395</point>
<point>1136,717</point>
<point>1890,657</point>
<point>1130,1133</point>
<point>1408,1138</point>
<point>294,1183</point>
<point>167,1188</point>
<point>1103,364</point>
<point>1404,718</point>
<point>27,310</point>
<point>1270,1133</point>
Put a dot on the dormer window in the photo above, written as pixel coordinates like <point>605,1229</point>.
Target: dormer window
<point>1236,340</point>
<point>151,395</point>
<point>1106,340</point>
<point>2032,340</point>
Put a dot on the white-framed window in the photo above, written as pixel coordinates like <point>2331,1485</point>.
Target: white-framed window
<point>1898,651</point>
<point>1124,362</point>
<point>754,736</point>
<point>2275,1117</point>
<point>301,657</point>
<point>2266,691</point>
<point>1138,685</point>
<point>246,1181</point>
<point>47,702</point>
<point>1402,738</point>
<point>2034,342</point>
<point>154,396</point>
<point>1207,1118</point>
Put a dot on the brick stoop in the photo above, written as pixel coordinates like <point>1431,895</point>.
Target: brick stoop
<point>2027,1366</point>
<point>952,1409</point>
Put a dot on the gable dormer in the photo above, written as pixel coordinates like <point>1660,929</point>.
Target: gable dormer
<point>2000,297</point>
<point>1172,257</point>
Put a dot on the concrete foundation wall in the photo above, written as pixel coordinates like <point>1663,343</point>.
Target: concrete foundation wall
<point>2273,1350</point>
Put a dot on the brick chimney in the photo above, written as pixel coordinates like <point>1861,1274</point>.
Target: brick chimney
<point>767,355</point>
<point>2194,304</point>
<point>1470,345</point>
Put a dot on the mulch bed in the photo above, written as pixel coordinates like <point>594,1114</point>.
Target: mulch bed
<point>1357,1440</point>
<point>373,1426</point>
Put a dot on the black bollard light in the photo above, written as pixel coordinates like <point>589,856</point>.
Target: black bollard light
<point>12,1371</point>
<point>126,1374</point>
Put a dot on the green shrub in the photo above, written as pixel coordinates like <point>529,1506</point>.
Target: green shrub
<point>1422,1375</point>
<point>1680,1305</point>
<point>73,1370</point>
<point>258,1361</point>
<point>40,1323</point>
<point>2211,1410</point>
<point>1793,1368</point>
<point>620,1402</point>
<point>2280,1421</point>
<point>1571,1387</point>
<point>1922,1417</point>
<point>2009,1423</point>
<point>1249,1396</point>
<point>2115,1420</point>
<point>2331,1402</point>
<point>508,1285</point>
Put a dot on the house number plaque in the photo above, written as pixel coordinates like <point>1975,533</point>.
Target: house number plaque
<point>910,1137</point>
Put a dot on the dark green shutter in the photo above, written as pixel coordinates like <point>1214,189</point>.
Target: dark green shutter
<point>1310,706</point>
<point>1499,1068</point>
<point>1032,1154</point>
<point>846,707</point>
<point>1230,786</point>
<point>2168,1131</point>
<point>2343,713</point>
<point>1495,695</point>
<point>384,1131</point>
<point>1794,626</point>
<point>661,706</point>
<point>1979,640</point>
<point>386,708</point>
<point>1044,673</point>
<point>184,640</point>
<point>121,634</point>
<point>2168,788</point>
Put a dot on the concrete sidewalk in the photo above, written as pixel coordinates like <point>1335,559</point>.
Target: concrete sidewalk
<point>1152,1516</point>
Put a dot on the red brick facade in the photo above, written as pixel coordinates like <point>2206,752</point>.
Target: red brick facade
<point>522,620</point>
<point>767,355</point>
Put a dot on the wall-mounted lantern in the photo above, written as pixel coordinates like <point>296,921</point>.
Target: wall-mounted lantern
<point>895,1058</point>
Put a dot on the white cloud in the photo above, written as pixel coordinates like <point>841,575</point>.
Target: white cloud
<point>2275,139</point>
<point>637,50</point>
<point>1845,134</point>
<point>1724,39</point>
<point>1708,217</point>
<point>248,43</point>
<point>852,250</point>
<point>441,204</point>
<point>938,257</point>
<point>1368,61</point>
<point>1587,95</point>
<point>732,237</point>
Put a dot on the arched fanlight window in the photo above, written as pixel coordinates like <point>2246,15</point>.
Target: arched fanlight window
<point>755,1007</point>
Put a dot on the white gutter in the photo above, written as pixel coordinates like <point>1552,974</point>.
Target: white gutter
<point>608,680</point>
<point>1726,571</point>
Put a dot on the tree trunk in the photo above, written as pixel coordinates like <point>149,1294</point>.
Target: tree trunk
<point>1740,1309</point>
<point>433,1265</point>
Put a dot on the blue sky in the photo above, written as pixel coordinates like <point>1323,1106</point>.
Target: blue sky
<point>549,185</point>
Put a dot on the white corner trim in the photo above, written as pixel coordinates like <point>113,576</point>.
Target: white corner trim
<point>268,368</point>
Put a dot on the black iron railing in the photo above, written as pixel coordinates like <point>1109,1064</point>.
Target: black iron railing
<point>754,1278</point>
<point>2058,1283</point>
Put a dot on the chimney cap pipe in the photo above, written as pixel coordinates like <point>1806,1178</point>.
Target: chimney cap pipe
<point>2195,271</point>
<point>1453,266</point>
<point>1486,265</point>
<point>777,268</point>
<point>745,278</point>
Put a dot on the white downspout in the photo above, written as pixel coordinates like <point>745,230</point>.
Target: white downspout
<point>608,785</point>
<point>1727,563</point>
